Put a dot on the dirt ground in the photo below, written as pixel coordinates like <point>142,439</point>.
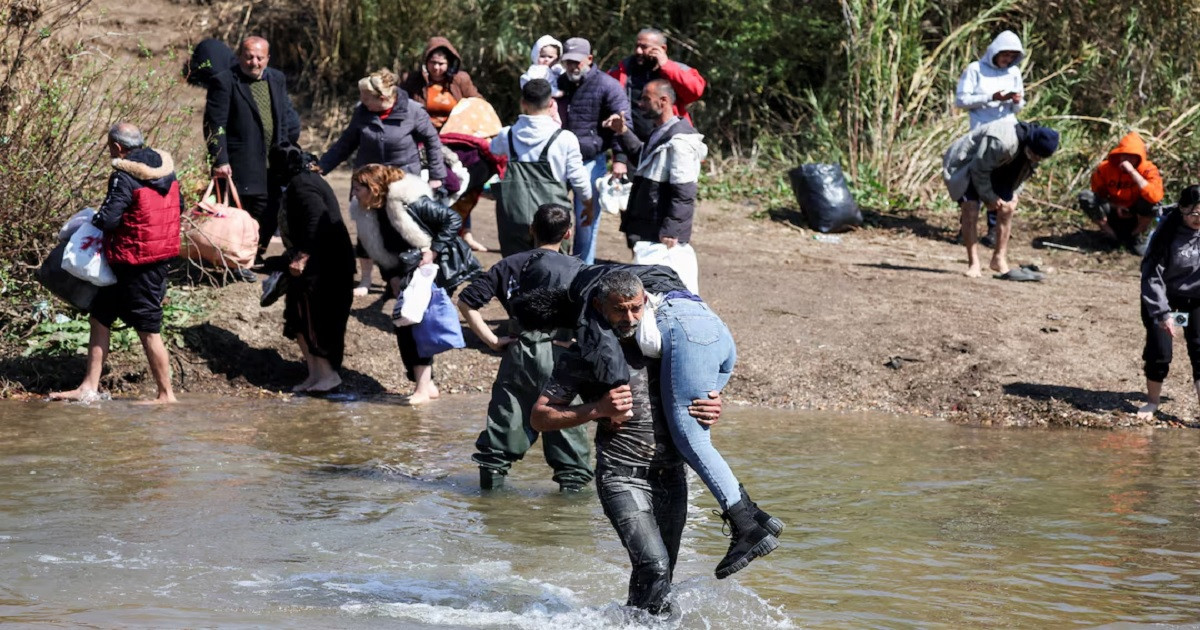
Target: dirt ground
<point>882,321</point>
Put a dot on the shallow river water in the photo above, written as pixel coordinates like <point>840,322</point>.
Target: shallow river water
<point>238,513</point>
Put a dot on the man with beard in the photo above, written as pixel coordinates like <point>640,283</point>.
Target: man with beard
<point>589,98</point>
<point>649,62</point>
<point>640,474</point>
<point>663,200</point>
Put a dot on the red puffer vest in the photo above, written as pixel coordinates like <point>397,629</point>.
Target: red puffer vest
<point>149,230</point>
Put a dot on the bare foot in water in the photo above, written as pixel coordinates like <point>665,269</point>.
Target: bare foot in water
<point>304,385</point>
<point>420,398</point>
<point>163,399</point>
<point>329,383</point>
<point>79,393</point>
<point>1146,411</point>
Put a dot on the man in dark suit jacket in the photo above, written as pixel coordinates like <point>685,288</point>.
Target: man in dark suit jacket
<point>247,117</point>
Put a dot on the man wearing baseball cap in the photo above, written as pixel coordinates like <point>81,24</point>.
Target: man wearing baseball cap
<point>589,98</point>
<point>988,166</point>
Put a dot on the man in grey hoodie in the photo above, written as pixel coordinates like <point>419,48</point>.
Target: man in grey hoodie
<point>543,159</point>
<point>992,89</point>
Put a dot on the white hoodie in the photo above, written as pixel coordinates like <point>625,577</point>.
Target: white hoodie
<point>982,79</point>
<point>549,73</point>
<point>530,135</point>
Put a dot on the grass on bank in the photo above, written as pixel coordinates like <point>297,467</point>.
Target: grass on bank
<point>56,330</point>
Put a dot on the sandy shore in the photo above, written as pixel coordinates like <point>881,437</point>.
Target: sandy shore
<point>881,321</point>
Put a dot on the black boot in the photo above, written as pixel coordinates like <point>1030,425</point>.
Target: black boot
<point>764,520</point>
<point>490,478</point>
<point>749,540</point>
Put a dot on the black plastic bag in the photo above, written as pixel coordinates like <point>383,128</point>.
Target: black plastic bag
<point>824,197</point>
<point>72,290</point>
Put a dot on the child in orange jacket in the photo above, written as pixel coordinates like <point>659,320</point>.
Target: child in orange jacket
<point>1125,194</point>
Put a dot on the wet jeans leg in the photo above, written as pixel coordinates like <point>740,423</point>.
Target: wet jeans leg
<point>648,515</point>
<point>584,247</point>
<point>698,357</point>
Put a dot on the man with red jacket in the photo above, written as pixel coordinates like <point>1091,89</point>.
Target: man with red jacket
<point>140,221</point>
<point>1126,189</point>
<point>649,62</point>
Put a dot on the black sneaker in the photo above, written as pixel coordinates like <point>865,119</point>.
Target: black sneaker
<point>572,487</point>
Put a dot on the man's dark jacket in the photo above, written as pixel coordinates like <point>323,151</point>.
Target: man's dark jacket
<point>598,344</point>
<point>234,129</point>
<point>658,208</point>
<point>585,105</point>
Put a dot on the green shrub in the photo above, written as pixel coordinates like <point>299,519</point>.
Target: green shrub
<point>56,333</point>
<point>59,96</point>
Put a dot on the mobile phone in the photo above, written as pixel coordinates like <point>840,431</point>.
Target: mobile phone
<point>1180,319</point>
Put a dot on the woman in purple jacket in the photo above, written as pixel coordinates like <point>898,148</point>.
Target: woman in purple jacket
<point>386,128</point>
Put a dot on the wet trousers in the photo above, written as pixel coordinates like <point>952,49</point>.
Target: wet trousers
<point>524,370</point>
<point>648,508</point>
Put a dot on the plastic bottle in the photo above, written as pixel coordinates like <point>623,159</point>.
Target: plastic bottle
<point>827,238</point>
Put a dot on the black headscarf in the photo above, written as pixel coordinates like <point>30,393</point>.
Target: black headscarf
<point>296,160</point>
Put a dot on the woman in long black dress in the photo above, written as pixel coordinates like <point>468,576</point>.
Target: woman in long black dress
<point>319,295</point>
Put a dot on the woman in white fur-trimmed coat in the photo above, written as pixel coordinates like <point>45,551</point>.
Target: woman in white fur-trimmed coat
<point>402,227</point>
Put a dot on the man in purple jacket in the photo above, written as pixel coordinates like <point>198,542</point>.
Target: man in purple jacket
<point>589,98</point>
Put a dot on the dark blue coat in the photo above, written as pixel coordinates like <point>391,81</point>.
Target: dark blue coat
<point>585,105</point>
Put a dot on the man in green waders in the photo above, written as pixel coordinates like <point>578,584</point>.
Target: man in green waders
<point>527,362</point>
<point>542,159</point>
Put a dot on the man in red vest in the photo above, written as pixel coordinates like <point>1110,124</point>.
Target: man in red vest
<point>140,221</point>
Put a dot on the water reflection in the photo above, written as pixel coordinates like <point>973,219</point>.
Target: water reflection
<point>307,513</point>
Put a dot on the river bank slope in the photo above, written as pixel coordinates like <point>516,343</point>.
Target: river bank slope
<point>882,320</point>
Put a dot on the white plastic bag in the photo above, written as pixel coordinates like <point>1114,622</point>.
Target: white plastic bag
<point>648,336</point>
<point>681,258</point>
<point>84,256</point>
<point>76,220</point>
<point>612,195</point>
<point>414,300</point>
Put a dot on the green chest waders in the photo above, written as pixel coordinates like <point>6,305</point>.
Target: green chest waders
<point>526,185</point>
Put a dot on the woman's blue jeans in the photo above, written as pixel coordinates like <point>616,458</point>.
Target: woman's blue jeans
<point>698,354</point>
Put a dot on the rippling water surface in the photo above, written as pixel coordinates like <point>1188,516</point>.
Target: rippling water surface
<point>317,514</point>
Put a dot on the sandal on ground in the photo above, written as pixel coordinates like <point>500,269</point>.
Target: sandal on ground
<point>1020,275</point>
